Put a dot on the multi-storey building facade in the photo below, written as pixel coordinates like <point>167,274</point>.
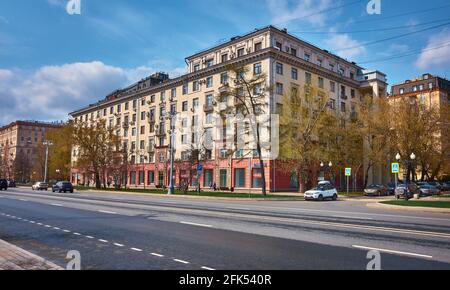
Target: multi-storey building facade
<point>140,111</point>
<point>18,147</point>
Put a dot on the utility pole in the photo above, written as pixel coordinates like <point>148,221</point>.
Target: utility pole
<point>172,135</point>
<point>47,144</point>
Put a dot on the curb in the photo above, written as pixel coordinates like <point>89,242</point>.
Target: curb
<point>409,208</point>
<point>193,196</point>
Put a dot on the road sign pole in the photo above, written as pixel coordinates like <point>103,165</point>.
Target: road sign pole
<point>347,186</point>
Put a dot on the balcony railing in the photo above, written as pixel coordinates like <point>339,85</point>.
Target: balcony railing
<point>208,108</point>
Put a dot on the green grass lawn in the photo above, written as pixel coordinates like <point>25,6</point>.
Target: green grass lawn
<point>193,193</point>
<point>418,203</point>
<point>351,194</point>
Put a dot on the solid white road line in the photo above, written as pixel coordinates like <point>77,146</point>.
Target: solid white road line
<point>105,211</point>
<point>393,252</point>
<point>181,261</point>
<point>195,224</point>
<point>209,269</point>
<point>157,255</point>
<point>119,245</point>
<point>136,249</point>
<point>351,217</point>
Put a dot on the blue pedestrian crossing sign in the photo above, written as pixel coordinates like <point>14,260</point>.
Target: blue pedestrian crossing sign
<point>395,168</point>
<point>199,168</point>
<point>348,172</point>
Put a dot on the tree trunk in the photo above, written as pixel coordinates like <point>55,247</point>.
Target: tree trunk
<point>301,181</point>
<point>366,178</point>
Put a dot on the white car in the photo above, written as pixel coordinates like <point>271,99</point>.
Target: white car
<point>321,192</point>
<point>40,186</point>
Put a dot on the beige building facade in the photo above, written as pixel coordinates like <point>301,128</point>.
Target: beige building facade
<point>140,113</point>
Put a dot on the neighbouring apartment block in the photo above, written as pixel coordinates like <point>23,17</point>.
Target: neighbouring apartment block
<point>140,112</point>
<point>19,143</point>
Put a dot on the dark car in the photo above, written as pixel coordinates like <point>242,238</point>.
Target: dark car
<point>376,190</point>
<point>401,192</point>
<point>3,184</point>
<point>446,186</point>
<point>436,184</point>
<point>63,186</point>
<point>11,183</point>
<point>391,187</point>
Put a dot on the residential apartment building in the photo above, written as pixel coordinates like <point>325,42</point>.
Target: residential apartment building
<point>18,147</point>
<point>140,112</point>
<point>430,91</point>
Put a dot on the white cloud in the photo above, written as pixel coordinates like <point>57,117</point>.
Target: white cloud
<point>51,92</point>
<point>345,46</point>
<point>283,12</point>
<point>435,58</point>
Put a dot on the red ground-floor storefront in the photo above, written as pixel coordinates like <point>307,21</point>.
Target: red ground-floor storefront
<point>224,174</point>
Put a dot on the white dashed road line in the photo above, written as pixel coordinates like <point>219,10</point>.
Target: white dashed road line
<point>105,211</point>
<point>207,268</point>
<point>195,224</point>
<point>103,241</point>
<point>119,245</point>
<point>181,261</point>
<point>89,237</point>
<point>393,252</point>
<point>57,204</point>
<point>136,249</point>
<point>77,234</point>
<point>157,255</point>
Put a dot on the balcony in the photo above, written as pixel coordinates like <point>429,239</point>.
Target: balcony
<point>161,132</point>
<point>125,125</point>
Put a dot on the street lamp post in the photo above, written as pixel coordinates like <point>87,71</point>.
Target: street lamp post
<point>407,164</point>
<point>326,169</point>
<point>47,144</point>
<point>171,152</point>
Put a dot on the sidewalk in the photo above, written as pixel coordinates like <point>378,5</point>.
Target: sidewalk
<point>15,258</point>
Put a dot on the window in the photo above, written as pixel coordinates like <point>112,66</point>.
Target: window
<point>173,93</point>
<point>195,86</point>
<point>331,67</point>
<point>333,104</point>
<point>224,57</point>
<point>293,51</point>
<point>279,45</point>
<point>111,110</point>
<point>257,69</point>
<point>402,91</point>
<point>142,144</point>
<point>414,88</point>
<point>142,116</point>
<point>430,86</point>
<point>308,78</point>
<point>421,87</point>
<point>119,108</point>
<point>240,52</point>
<point>352,93</point>
<point>321,83</point>
<point>319,62</point>
<point>184,139</point>
<point>343,92</point>
<point>152,99</point>
<point>163,97</point>
<point>134,104</point>
<point>343,107</point>
<point>209,62</point>
<point>258,46</point>
<point>126,106</point>
<point>352,75</point>
<point>185,106</point>
<point>307,57</point>
<point>185,89</point>
<point>223,78</point>
<point>142,130</point>
<point>279,68</point>
<point>196,67</point>
<point>184,122</point>
<point>333,87</point>
<point>209,118</point>
<point>294,74</point>
<point>133,132</point>
<point>209,82</point>
<point>342,71</point>
<point>195,104</point>
<point>239,178</point>
<point>279,88</point>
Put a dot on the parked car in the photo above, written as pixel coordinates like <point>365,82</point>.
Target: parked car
<point>3,184</point>
<point>401,192</point>
<point>376,190</point>
<point>446,186</point>
<point>63,186</point>
<point>436,184</point>
<point>391,188</point>
<point>40,186</point>
<point>428,190</point>
<point>321,192</point>
<point>11,183</point>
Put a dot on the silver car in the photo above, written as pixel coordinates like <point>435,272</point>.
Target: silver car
<point>40,186</point>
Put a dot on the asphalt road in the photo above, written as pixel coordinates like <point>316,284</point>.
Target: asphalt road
<point>118,231</point>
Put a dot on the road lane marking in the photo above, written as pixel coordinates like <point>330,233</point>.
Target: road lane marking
<point>57,204</point>
<point>66,231</point>
<point>136,249</point>
<point>105,211</point>
<point>32,222</point>
<point>157,255</point>
<point>56,228</point>
<point>351,217</point>
<point>39,224</point>
<point>119,245</point>
<point>103,241</point>
<point>23,199</point>
<point>89,237</point>
<point>48,226</point>
<point>181,261</point>
<point>77,234</point>
<point>207,268</point>
<point>195,224</point>
<point>393,252</point>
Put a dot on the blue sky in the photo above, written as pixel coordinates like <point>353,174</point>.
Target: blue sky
<point>59,62</point>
